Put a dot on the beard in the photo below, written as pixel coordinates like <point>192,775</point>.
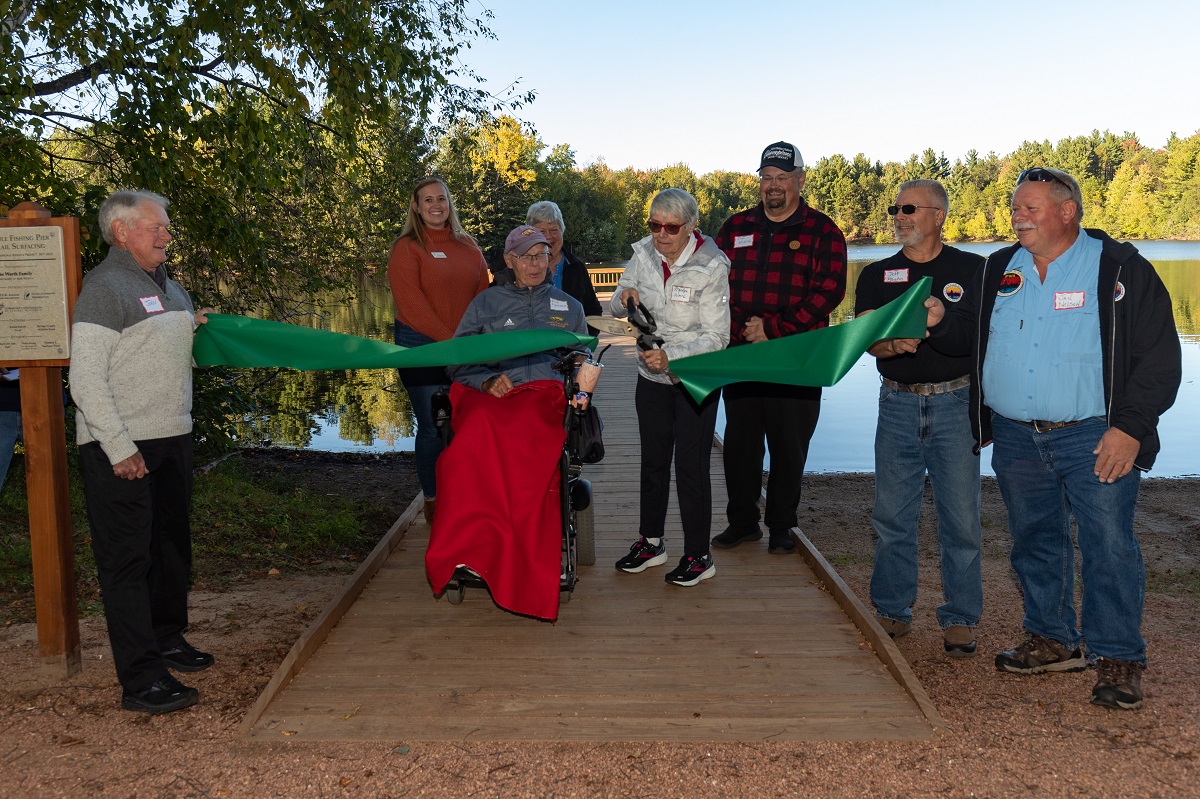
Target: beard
<point>775,200</point>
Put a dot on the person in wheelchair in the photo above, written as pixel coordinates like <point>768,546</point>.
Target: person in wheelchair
<point>499,513</point>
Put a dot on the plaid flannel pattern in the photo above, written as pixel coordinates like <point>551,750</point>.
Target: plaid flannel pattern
<point>792,278</point>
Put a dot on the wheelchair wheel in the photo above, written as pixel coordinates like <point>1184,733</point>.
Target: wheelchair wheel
<point>456,593</point>
<point>585,537</point>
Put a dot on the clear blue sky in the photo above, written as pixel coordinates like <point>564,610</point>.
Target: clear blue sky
<point>647,84</point>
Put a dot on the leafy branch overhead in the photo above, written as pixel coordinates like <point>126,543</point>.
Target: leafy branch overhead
<point>231,110</point>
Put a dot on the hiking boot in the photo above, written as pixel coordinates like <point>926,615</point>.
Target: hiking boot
<point>730,538</point>
<point>161,696</point>
<point>642,555</point>
<point>781,542</point>
<point>894,629</point>
<point>692,569</point>
<point>1118,684</point>
<point>958,641</point>
<point>1037,655</point>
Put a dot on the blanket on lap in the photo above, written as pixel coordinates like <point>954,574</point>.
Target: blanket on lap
<point>498,510</point>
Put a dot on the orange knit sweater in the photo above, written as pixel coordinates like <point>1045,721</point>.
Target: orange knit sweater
<point>432,288</point>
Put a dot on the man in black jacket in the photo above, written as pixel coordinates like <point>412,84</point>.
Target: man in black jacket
<point>1076,357</point>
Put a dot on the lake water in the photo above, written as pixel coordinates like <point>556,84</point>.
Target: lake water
<point>364,412</point>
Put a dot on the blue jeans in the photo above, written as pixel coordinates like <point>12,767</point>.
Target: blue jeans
<point>10,428</point>
<point>916,435</point>
<point>421,385</point>
<point>1046,478</point>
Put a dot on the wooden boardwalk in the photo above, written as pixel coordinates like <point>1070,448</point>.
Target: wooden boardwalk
<point>764,651</point>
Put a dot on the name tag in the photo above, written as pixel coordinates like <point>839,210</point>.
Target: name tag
<point>152,304</point>
<point>681,294</point>
<point>1065,300</point>
<point>558,305</point>
<point>438,254</point>
<point>743,241</point>
<point>895,275</point>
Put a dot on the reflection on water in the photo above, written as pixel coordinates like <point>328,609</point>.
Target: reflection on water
<point>368,409</point>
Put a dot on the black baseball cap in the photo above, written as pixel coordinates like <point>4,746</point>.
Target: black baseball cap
<point>783,156</point>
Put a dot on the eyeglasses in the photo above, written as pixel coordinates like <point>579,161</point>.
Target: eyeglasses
<point>533,258</point>
<point>657,226</point>
<point>1040,175</point>
<point>908,208</point>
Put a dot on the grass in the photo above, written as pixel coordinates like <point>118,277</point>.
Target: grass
<point>242,528</point>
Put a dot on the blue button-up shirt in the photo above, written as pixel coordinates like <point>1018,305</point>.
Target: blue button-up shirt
<point>1044,358</point>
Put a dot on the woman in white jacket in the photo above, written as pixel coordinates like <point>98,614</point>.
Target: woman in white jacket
<point>682,278</point>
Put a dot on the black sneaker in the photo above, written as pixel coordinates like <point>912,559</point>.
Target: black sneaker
<point>185,657</point>
<point>1037,655</point>
<point>1118,684</point>
<point>692,569</point>
<point>781,542</point>
<point>161,696</point>
<point>642,555</point>
<point>731,538</point>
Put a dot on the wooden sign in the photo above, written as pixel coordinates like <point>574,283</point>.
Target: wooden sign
<point>40,277</point>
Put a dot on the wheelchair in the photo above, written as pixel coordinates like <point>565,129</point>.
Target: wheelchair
<point>575,491</point>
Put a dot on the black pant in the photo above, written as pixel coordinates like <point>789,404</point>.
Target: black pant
<point>787,417</point>
<point>141,537</point>
<point>670,421</point>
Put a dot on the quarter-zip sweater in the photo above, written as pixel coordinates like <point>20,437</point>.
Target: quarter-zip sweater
<point>507,307</point>
<point>131,357</point>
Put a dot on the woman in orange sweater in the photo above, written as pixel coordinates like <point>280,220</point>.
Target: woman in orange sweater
<point>435,270</point>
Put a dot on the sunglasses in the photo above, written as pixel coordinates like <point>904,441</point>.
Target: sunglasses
<point>657,226</point>
<point>1040,175</point>
<point>907,208</point>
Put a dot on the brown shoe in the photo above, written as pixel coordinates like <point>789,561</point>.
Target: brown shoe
<point>1037,655</point>
<point>430,505</point>
<point>1118,684</point>
<point>958,641</point>
<point>894,629</point>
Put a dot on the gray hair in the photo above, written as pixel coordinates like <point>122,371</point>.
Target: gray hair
<point>123,205</point>
<point>1066,188</point>
<point>677,203</point>
<point>545,211</point>
<point>935,189</point>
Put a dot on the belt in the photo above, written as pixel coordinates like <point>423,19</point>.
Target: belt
<point>928,389</point>
<point>1042,426</point>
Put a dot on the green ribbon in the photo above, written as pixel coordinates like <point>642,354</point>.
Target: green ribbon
<point>243,341</point>
<point>816,358</point>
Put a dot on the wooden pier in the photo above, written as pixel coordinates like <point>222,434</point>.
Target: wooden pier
<point>772,648</point>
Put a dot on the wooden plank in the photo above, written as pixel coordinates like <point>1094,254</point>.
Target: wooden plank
<point>762,652</point>
<point>315,635</point>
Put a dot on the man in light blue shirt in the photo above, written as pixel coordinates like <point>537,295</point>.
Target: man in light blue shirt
<point>1076,357</point>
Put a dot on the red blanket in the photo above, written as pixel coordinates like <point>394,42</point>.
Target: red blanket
<point>498,506</point>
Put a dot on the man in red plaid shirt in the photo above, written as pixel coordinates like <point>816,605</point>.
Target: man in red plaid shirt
<point>788,273</point>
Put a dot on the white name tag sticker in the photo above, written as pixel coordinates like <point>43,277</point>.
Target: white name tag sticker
<point>558,305</point>
<point>152,304</point>
<point>895,275</point>
<point>743,241</point>
<point>681,294</point>
<point>1066,300</point>
<point>438,254</point>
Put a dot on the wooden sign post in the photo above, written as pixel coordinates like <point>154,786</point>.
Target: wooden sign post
<point>40,276</point>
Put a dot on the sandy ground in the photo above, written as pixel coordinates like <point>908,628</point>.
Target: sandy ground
<point>1008,735</point>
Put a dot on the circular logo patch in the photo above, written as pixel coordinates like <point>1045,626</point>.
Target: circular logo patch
<point>953,292</point>
<point>1010,284</point>
<point>1119,294</point>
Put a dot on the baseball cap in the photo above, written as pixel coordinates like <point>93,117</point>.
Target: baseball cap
<point>783,156</point>
<point>522,238</point>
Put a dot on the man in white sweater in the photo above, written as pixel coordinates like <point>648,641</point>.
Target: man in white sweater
<point>131,379</point>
